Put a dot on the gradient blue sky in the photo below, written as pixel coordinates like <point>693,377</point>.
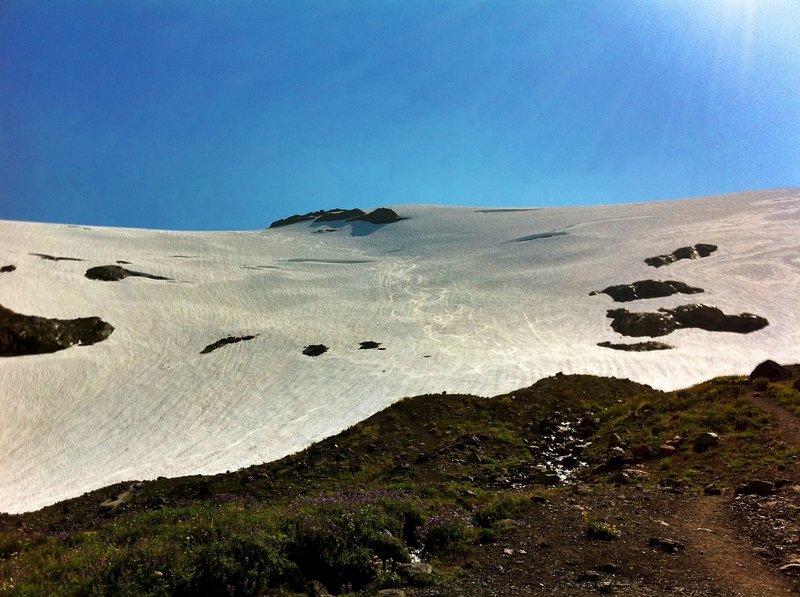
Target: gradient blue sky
<point>228,115</point>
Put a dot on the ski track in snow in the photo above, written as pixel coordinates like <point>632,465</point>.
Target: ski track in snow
<point>490,316</point>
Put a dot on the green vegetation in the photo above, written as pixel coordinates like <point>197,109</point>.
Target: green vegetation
<point>433,475</point>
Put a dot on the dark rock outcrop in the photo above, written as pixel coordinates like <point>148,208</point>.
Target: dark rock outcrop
<point>30,334</point>
<point>368,344</point>
<point>646,289</point>
<point>636,347</point>
<point>694,252</point>
<point>225,341</point>
<point>7,268</point>
<point>666,321</point>
<point>114,273</point>
<point>381,215</point>
<point>314,350</point>
<point>337,215</point>
<point>772,371</point>
<point>54,258</point>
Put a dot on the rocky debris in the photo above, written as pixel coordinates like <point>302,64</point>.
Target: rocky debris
<point>7,268</point>
<point>772,371</point>
<point>666,321</point>
<point>636,346</point>
<point>391,593</point>
<point>114,273</point>
<point>369,345</point>
<point>666,545</point>
<point>54,258</point>
<point>646,289</point>
<point>697,251</point>
<point>314,588</point>
<point>224,341</point>
<point>314,350</point>
<point>381,215</point>
<point>711,489</point>
<point>705,441</point>
<point>30,334</point>
<point>756,487</point>
<point>643,452</point>
<point>790,568</point>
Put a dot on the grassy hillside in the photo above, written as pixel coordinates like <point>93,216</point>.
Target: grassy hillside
<point>571,465</point>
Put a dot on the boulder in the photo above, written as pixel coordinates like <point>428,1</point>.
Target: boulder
<point>705,441</point>
<point>415,570</point>
<point>771,370</point>
<point>756,487</point>
<point>643,452</point>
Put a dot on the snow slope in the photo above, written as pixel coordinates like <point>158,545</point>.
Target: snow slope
<point>456,306</point>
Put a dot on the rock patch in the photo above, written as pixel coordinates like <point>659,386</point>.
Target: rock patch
<point>539,236</point>
<point>7,268</point>
<point>29,334</point>
<point>666,321</point>
<point>369,345</point>
<point>54,258</point>
<point>314,350</point>
<point>646,289</point>
<point>636,347</point>
<point>224,342</point>
<point>114,273</point>
<point>697,251</point>
<point>382,215</point>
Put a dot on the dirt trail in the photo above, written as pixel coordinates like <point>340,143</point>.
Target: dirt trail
<point>788,423</point>
<point>726,554</point>
<point>727,557</point>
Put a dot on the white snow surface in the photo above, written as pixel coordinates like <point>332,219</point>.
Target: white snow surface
<point>456,306</point>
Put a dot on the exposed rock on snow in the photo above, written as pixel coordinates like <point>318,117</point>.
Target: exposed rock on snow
<point>667,321</point>
<point>7,268</point>
<point>694,252</point>
<point>646,289</point>
<point>636,347</point>
<point>114,273</point>
<point>314,350</point>
<point>369,344</point>
<point>29,334</point>
<point>54,258</point>
<point>380,216</point>
<point>225,341</point>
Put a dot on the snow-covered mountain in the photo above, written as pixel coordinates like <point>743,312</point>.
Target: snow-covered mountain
<point>460,299</point>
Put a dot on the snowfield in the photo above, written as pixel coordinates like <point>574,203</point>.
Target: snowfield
<point>462,299</point>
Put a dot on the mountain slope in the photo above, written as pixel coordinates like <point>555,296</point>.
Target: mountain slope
<point>472,301</point>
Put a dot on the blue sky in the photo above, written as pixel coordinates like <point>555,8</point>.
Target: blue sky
<point>228,115</point>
